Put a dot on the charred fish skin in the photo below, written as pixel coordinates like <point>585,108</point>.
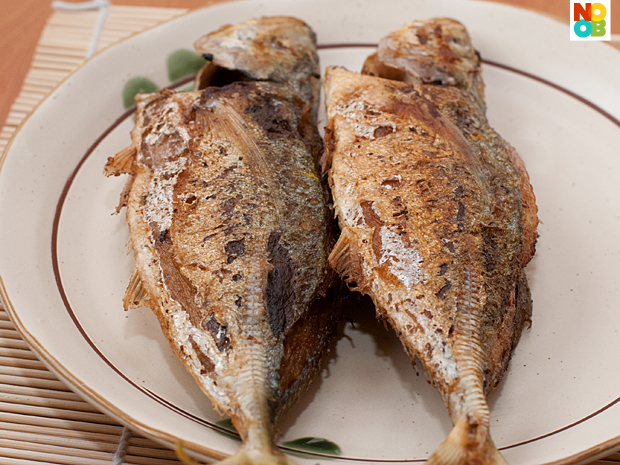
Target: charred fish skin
<point>281,50</point>
<point>231,236</point>
<point>437,214</point>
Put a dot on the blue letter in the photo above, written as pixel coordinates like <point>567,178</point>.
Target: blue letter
<point>587,31</point>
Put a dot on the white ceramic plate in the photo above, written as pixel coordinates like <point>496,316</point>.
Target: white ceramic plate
<point>64,265</point>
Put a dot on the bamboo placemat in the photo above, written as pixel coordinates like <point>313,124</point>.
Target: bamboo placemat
<point>41,420</point>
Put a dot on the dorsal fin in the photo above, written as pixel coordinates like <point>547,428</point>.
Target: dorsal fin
<point>121,163</point>
<point>135,296</point>
<point>347,262</point>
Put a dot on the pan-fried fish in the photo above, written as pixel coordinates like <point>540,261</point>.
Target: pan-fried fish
<point>229,228</point>
<point>437,214</point>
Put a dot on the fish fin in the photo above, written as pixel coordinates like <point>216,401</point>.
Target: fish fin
<point>528,207</point>
<point>135,296</point>
<point>246,456</point>
<point>183,457</point>
<point>494,454</point>
<point>329,144</point>
<point>346,261</point>
<point>122,201</point>
<point>458,449</point>
<point>121,163</point>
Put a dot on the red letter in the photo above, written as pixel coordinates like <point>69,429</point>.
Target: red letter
<point>579,10</point>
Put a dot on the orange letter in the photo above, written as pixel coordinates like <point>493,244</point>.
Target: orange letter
<point>579,10</point>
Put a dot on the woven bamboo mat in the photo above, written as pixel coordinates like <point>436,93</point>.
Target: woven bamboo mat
<point>41,420</point>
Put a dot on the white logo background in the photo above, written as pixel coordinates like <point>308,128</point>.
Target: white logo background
<point>596,11</point>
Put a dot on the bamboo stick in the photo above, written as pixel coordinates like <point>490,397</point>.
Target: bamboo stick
<point>35,96</point>
<point>77,31</point>
<point>60,423</point>
<point>49,402</point>
<point>7,324</point>
<point>70,52</point>
<point>26,354</point>
<point>48,76</point>
<point>14,461</point>
<point>71,43</point>
<point>32,88</point>
<point>17,106</point>
<point>59,440</point>
<point>14,119</point>
<point>140,441</point>
<point>69,26</point>
<point>38,392</point>
<point>27,372</point>
<point>150,12</point>
<point>13,343</point>
<point>22,363</point>
<point>12,332</point>
<point>15,449</point>
<point>52,384</point>
<point>52,412</point>
<point>28,103</point>
<point>148,452</point>
<point>129,459</point>
<point>68,433</point>
<point>49,59</point>
<point>72,18</point>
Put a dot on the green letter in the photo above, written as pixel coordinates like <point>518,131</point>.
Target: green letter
<point>598,28</point>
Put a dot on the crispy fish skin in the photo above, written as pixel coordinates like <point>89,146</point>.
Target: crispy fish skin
<point>438,217</point>
<point>231,236</point>
<point>282,49</point>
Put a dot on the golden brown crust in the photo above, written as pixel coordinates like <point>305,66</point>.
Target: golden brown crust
<point>229,225</point>
<point>529,208</point>
<point>438,216</point>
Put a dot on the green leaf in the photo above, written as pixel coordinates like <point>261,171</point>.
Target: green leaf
<point>317,445</point>
<point>186,88</point>
<point>137,85</point>
<point>182,63</point>
<point>229,428</point>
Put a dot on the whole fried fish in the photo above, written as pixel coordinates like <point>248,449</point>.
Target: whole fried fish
<point>438,217</point>
<point>229,225</point>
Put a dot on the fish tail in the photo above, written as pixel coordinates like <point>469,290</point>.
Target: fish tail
<point>257,457</point>
<point>465,446</point>
<point>245,456</point>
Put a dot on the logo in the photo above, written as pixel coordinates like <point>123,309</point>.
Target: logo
<point>590,21</point>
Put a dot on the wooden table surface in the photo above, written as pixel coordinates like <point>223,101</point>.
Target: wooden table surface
<point>21,23</point>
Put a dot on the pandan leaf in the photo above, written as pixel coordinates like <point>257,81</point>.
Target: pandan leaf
<point>182,63</point>
<point>317,445</point>
<point>186,88</point>
<point>137,85</point>
<point>229,428</point>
